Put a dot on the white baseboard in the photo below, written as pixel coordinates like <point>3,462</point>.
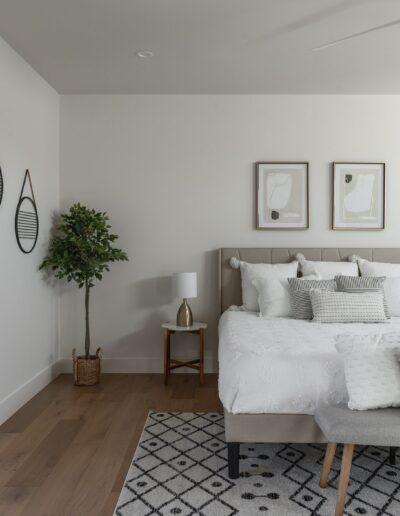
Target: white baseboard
<point>135,365</point>
<point>14,401</point>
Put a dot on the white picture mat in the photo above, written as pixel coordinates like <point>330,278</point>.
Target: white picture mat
<point>340,170</point>
<point>265,169</point>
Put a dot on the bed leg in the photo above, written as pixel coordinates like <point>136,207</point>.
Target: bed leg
<point>392,455</point>
<point>233,460</point>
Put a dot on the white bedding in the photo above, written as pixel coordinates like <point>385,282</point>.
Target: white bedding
<point>283,365</point>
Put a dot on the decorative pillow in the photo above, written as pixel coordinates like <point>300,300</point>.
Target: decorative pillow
<point>273,297</point>
<point>372,372</point>
<point>299,290</point>
<point>391,287</point>
<point>367,268</point>
<point>326,270</point>
<point>392,283</point>
<point>250,271</point>
<point>360,284</point>
<point>342,307</point>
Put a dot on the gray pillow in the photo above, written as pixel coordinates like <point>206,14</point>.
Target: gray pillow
<point>359,284</point>
<point>299,290</point>
<point>344,307</point>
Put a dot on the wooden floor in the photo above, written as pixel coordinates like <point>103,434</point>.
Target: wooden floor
<point>67,451</point>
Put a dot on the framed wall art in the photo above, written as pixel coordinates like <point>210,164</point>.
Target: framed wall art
<point>282,195</point>
<point>358,196</point>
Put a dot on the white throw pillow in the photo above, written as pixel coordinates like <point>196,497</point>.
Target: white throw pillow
<point>250,271</point>
<point>326,270</point>
<point>372,371</point>
<point>273,297</point>
<point>391,287</point>
<point>391,284</point>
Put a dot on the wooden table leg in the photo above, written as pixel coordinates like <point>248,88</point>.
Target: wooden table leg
<point>201,356</point>
<point>166,355</point>
<point>326,468</point>
<point>344,478</point>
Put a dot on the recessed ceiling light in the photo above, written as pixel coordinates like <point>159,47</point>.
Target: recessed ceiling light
<point>145,54</point>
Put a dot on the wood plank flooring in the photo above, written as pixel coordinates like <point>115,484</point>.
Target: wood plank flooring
<point>67,451</point>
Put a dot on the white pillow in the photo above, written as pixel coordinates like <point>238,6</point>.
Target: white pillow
<point>273,297</point>
<point>372,371</point>
<point>326,270</point>
<point>391,287</point>
<point>367,268</point>
<point>391,284</point>
<point>250,271</point>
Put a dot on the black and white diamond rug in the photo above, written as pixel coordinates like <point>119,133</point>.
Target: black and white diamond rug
<point>180,467</point>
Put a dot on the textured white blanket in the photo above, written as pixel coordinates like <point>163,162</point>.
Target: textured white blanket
<point>283,365</point>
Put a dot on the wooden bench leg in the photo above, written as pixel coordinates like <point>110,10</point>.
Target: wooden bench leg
<point>344,478</point>
<point>326,468</point>
<point>233,460</point>
<point>392,455</point>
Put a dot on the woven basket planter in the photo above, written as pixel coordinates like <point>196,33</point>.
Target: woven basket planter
<point>87,371</point>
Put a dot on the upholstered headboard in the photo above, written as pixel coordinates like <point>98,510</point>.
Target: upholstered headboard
<point>230,282</point>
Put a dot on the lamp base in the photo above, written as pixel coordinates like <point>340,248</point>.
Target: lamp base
<point>184,317</point>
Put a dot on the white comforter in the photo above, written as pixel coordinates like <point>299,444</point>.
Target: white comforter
<point>282,365</point>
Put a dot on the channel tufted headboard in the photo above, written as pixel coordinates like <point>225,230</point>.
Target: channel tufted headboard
<point>229,279</point>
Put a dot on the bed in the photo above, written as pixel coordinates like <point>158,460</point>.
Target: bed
<point>273,373</point>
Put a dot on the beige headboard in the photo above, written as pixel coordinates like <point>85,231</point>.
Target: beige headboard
<point>230,286</point>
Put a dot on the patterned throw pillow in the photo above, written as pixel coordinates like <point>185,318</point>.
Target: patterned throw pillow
<point>343,307</point>
<point>359,284</point>
<point>299,290</point>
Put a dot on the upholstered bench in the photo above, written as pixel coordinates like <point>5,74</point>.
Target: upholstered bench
<point>340,425</point>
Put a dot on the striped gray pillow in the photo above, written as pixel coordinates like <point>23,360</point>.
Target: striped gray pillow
<point>299,290</point>
<point>360,284</point>
<point>344,307</point>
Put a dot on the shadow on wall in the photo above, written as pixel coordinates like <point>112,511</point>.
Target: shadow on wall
<point>153,292</point>
<point>149,332</point>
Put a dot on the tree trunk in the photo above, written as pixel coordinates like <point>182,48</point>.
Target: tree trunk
<point>87,334</point>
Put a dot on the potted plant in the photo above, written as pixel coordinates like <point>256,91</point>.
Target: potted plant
<point>81,251</point>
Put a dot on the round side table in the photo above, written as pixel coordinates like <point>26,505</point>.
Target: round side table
<point>169,363</point>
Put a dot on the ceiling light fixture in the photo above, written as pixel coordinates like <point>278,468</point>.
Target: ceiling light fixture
<point>145,54</point>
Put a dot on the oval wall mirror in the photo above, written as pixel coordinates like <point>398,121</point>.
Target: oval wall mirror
<point>26,218</point>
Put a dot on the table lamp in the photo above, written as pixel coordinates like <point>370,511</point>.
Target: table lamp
<point>185,286</point>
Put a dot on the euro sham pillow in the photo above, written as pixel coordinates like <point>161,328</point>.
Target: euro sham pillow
<point>343,307</point>
<point>391,284</point>
<point>367,268</point>
<point>361,284</point>
<point>299,291</point>
<point>326,270</point>
<point>250,271</point>
<point>372,371</point>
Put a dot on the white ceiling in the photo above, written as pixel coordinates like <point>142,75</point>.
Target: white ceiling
<point>208,46</point>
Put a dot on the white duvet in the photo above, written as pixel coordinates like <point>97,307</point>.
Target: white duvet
<point>283,365</point>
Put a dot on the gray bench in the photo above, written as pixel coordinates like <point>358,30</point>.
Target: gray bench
<point>341,425</point>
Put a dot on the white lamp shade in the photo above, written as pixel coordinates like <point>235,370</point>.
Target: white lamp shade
<point>185,284</point>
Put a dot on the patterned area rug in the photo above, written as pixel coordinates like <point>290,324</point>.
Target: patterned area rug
<point>180,467</point>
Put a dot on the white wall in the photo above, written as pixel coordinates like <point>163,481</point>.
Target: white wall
<point>29,138</point>
<point>176,175</point>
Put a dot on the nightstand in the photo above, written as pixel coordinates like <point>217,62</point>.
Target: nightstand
<point>169,363</point>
